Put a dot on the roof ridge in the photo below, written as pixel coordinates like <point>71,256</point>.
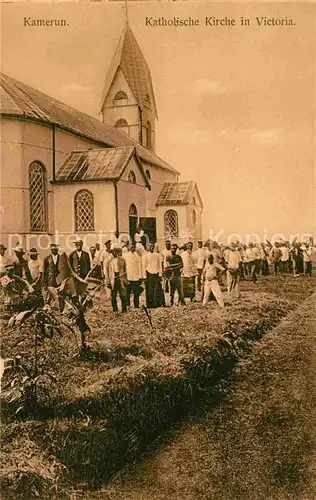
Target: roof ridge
<point>66,117</point>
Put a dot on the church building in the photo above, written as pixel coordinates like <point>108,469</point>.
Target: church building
<point>64,172</point>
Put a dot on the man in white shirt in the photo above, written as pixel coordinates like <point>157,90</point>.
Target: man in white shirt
<point>36,267</point>
<point>199,257</point>
<point>134,274</point>
<point>189,272</point>
<point>285,257</point>
<point>152,273</point>
<point>210,280</point>
<point>233,272</point>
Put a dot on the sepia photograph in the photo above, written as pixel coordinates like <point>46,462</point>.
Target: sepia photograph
<point>158,251</point>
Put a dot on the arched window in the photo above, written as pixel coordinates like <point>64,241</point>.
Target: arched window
<point>120,95</point>
<point>84,211</point>
<point>148,173</point>
<point>171,224</point>
<point>132,177</point>
<point>148,135</point>
<point>121,123</point>
<point>38,197</point>
<point>193,201</point>
<point>193,217</point>
<point>132,210</point>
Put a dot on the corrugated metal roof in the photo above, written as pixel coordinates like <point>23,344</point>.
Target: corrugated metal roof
<point>20,100</point>
<point>176,193</point>
<point>129,57</point>
<point>94,164</point>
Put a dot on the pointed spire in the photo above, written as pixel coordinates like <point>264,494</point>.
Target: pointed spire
<point>129,58</point>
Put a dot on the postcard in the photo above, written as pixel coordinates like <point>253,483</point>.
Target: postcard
<point>158,217</point>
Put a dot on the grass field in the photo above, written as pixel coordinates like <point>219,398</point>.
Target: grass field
<point>102,413</point>
<point>258,443</point>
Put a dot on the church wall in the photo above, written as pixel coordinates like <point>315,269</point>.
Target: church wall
<point>194,228</point>
<point>22,143</point>
<point>157,179</point>
<point>129,193</point>
<point>12,180</point>
<point>104,212</point>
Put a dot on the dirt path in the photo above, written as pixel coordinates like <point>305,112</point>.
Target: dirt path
<point>258,444</point>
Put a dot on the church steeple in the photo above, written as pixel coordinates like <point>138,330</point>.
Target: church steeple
<point>128,99</point>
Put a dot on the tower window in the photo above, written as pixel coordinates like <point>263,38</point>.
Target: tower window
<point>121,123</point>
<point>84,211</point>
<point>148,135</point>
<point>120,95</point>
<point>171,224</point>
<point>193,217</point>
<point>193,201</point>
<point>148,173</point>
<point>38,197</point>
<point>147,100</point>
<point>132,177</point>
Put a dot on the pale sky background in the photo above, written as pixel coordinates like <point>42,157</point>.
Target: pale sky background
<point>236,105</point>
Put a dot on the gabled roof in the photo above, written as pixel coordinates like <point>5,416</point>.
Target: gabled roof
<point>130,59</point>
<point>177,193</point>
<point>24,102</point>
<point>107,164</point>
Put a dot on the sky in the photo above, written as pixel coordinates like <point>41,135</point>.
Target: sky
<point>236,105</point>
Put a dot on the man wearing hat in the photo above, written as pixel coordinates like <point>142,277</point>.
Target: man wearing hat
<point>20,264</point>
<point>35,267</point>
<point>4,260</point>
<point>80,260</point>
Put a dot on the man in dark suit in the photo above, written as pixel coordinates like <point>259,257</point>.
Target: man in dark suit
<point>80,260</point>
<point>55,270</point>
<point>51,268</point>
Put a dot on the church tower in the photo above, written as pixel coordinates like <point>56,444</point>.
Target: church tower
<point>128,100</point>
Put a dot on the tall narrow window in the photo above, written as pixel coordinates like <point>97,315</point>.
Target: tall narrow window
<point>148,135</point>
<point>132,177</point>
<point>193,217</point>
<point>171,224</point>
<point>84,211</point>
<point>38,197</point>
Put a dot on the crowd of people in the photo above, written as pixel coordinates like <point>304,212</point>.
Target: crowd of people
<point>128,268</point>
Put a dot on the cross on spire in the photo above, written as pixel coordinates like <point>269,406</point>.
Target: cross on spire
<point>126,13</point>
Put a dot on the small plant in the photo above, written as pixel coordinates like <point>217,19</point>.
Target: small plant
<point>27,375</point>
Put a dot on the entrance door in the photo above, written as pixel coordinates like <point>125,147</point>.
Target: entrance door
<point>148,225</point>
